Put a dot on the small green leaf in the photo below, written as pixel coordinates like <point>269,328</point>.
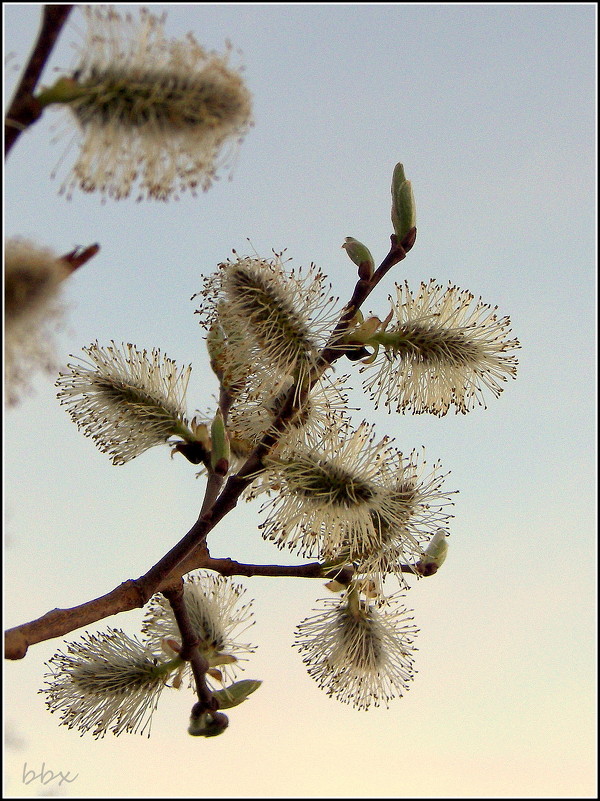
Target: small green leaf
<point>236,693</point>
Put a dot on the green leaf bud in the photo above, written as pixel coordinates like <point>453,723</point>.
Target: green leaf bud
<point>65,90</point>
<point>434,555</point>
<point>360,255</point>
<point>219,456</point>
<point>399,176</point>
<point>403,204</point>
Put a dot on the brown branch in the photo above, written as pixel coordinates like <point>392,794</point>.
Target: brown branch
<point>24,109</point>
<point>59,622</point>
<point>132,594</point>
<point>362,290</point>
<point>229,567</point>
<point>190,552</point>
<point>206,711</point>
<point>189,646</point>
<point>213,487</point>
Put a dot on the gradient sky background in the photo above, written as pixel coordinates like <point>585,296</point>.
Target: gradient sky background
<point>491,109</point>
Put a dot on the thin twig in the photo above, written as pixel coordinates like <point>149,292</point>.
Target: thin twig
<point>343,574</point>
<point>362,290</point>
<point>207,703</point>
<point>189,645</point>
<point>24,109</point>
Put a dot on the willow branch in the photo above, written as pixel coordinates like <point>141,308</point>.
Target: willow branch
<point>189,646</point>
<point>343,574</point>
<point>229,567</point>
<point>24,109</point>
<point>236,484</point>
<point>59,622</point>
<point>191,552</point>
<point>362,290</point>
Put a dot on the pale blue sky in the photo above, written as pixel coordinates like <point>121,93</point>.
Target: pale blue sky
<point>491,108</point>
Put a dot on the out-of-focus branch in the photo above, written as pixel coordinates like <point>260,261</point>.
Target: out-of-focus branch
<point>24,109</point>
<point>78,257</point>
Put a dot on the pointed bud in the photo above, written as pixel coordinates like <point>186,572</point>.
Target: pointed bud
<point>222,659</point>
<point>358,337</point>
<point>219,456</point>
<point>403,204</point>
<point>434,555</point>
<point>335,586</point>
<point>399,176</point>
<point>65,90</point>
<point>361,256</point>
<point>236,693</point>
<point>200,432</point>
<point>363,332</point>
<point>215,674</point>
<point>171,645</point>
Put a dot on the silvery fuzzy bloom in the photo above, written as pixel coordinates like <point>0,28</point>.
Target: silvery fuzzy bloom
<point>106,682</point>
<point>218,617</point>
<point>253,412</point>
<point>126,400</point>
<point>276,320</point>
<point>441,350</point>
<point>33,279</point>
<point>161,112</point>
<point>420,492</point>
<point>347,497</point>
<point>359,652</point>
